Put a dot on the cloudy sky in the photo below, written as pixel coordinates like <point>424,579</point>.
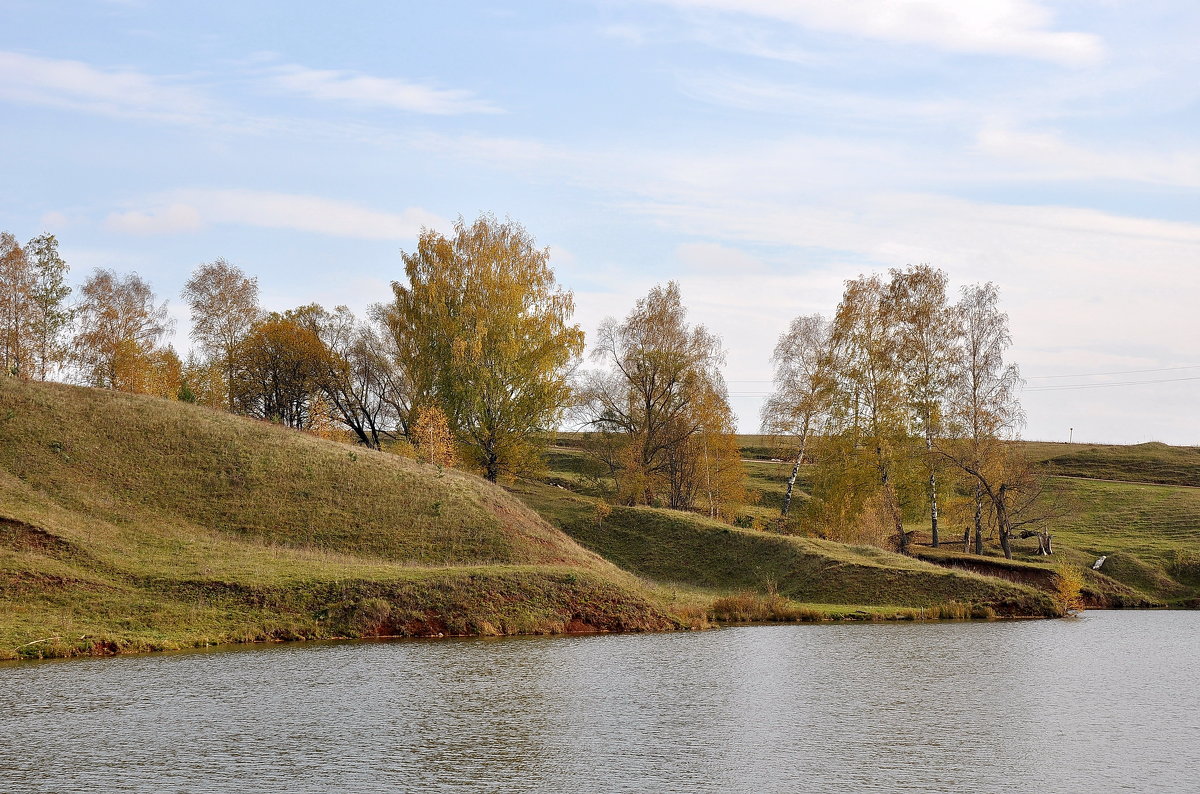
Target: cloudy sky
<point>760,152</point>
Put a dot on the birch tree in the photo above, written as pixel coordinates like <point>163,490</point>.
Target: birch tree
<point>661,408</point>
<point>224,305</point>
<point>803,388</point>
<point>983,410</point>
<point>120,325</point>
<point>926,344</point>
<point>869,409</point>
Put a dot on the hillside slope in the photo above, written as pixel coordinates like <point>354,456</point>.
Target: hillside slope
<point>676,548</point>
<point>128,521</point>
<point>1138,506</point>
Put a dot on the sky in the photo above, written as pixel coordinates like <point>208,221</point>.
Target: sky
<point>759,152</point>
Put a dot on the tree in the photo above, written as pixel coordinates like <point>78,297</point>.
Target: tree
<point>432,437</point>
<point>120,325</point>
<point>224,304</point>
<point>869,409</point>
<point>205,381</point>
<point>481,331</point>
<point>802,395</point>
<point>359,379</point>
<point>983,411</point>
<point>33,314</point>
<point>661,409</point>
<point>926,345</point>
<point>16,293</point>
<point>277,372</point>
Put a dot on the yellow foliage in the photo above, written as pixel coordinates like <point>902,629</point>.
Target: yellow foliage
<point>1068,587</point>
<point>482,329</point>
<point>432,437</point>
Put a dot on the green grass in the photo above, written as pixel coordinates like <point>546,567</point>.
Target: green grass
<point>672,548</point>
<point>135,523</point>
<point>1150,463</point>
<point>1150,533</point>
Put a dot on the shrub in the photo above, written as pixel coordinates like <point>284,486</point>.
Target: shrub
<point>1068,587</point>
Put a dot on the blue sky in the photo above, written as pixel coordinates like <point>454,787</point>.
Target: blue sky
<point>760,152</point>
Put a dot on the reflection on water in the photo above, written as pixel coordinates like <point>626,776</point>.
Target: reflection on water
<point>1107,702</point>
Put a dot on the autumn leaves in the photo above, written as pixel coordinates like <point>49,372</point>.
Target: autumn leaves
<point>902,399</point>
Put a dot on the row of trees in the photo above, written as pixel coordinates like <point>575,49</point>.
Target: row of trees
<point>476,345</point>
<point>475,356</point>
<point>908,400</point>
<point>902,399</point>
<point>109,337</point>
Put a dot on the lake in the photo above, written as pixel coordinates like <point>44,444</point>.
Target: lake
<point>1109,701</point>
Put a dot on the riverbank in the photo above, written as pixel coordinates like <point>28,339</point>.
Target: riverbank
<point>131,524</point>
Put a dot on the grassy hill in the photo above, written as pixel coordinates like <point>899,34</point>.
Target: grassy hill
<point>685,550</point>
<point>1153,462</point>
<point>1138,505</point>
<point>129,522</point>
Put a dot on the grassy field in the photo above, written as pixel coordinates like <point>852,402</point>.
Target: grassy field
<point>1150,463</point>
<point>1137,505</point>
<point>676,549</point>
<point>1150,533</point>
<point>131,523</point>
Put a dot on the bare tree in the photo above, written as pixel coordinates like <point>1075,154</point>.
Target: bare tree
<point>661,407</point>
<point>356,373</point>
<point>983,411</point>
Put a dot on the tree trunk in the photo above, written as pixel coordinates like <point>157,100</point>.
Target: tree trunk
<point>491,462</point>
<point>893,506</point>
<point>979,520</point>
<point>933,504</point>
<point>791,483</point>
<point>1002,520</point>
<point>966,541</point>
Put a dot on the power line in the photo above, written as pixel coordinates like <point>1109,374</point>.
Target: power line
<point>1049,377</point>
<point>1070,387</point>
<point>1123,372</point>
<point>1076,386</point>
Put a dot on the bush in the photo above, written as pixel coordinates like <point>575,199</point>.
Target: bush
<point>1068,587</point>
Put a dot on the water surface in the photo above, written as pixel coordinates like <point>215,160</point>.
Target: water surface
<point>1106,702</point>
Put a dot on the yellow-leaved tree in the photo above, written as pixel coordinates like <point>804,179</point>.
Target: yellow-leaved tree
<point>482,331</point>
<point>120,326</point>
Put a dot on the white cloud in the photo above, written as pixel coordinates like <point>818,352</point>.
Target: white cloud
<point>718,259</point>
<point>370,91</point>
<point>169,219</point>
<point>187,210</point>
<point>53,221</point>
<point>746,93</point>
<point>79,86</point>
<point>1048,155</point>
<point>1000,27</point>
